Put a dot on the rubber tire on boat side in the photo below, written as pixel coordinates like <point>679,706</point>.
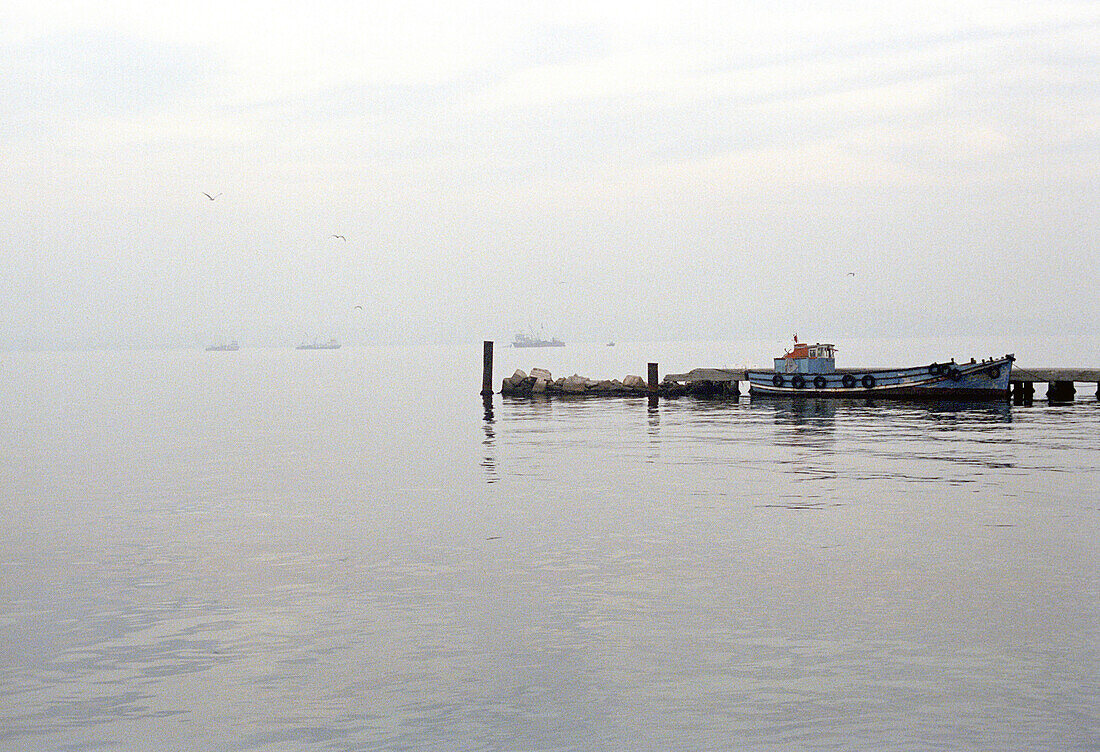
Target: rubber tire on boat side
<point>819,382</point>
<point>777,380</point>
<point>994,372</point>
<point>849,381</point>
<point>954,374</point>
<point>868,381</point>
<point>798,382</point>
<point>935,369</point>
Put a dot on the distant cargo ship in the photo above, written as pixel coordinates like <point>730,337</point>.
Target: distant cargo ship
<point>231,347</point>
<point>332,344</point>
<point>527,340</point>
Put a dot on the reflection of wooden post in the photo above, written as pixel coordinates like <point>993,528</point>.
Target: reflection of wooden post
<point>487,369</point>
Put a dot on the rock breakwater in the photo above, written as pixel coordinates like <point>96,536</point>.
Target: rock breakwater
<point>541,381</point>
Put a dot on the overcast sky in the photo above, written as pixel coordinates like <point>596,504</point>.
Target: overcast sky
<point>681,170</point>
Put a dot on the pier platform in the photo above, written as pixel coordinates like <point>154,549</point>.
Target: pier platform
<point>1019,375</point>
<point>1060,381</point>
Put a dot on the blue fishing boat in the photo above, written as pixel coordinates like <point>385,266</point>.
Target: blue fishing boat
<point>810,370</point>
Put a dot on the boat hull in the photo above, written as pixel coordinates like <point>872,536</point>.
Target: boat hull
<point>987,380</point>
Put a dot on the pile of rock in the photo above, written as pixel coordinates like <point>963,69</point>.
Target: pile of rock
<point>539,381</point>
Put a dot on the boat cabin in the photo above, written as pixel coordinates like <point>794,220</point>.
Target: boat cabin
<point>807,358</point>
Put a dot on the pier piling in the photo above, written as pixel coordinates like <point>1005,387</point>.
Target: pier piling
<point>1061,391</point>
<point>487,369</point>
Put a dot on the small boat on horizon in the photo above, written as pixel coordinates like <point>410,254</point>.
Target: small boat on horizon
<point>810,371</point>
<point>231,347</point>
<point>332,344</point>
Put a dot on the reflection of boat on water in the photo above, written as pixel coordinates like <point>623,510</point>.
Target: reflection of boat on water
<point>231,347</point>
<point>809,370</point>
<point>805,411</point>
<point>332,344</point>
<point>529,340</point>
<point>811,421</point>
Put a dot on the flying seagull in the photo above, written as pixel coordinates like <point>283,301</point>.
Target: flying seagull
<point>341,237</point>
<point>211,197</point>
<point>359,307</point>
<point>851,274</point>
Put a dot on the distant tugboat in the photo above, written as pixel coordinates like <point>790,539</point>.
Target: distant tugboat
<point>527,340</point>
<point>332,344</point>
<point>809,370</point>
<point>231,347</point>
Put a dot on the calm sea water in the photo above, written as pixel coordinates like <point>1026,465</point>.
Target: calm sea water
<point>348,550</point>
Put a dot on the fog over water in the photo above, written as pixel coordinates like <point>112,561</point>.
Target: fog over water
<point>272,549</point>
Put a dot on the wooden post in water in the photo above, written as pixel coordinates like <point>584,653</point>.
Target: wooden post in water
<point>1060,391</point>
<point>1023,392</point>
<point>652,383</point>
<point>487,369</point>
